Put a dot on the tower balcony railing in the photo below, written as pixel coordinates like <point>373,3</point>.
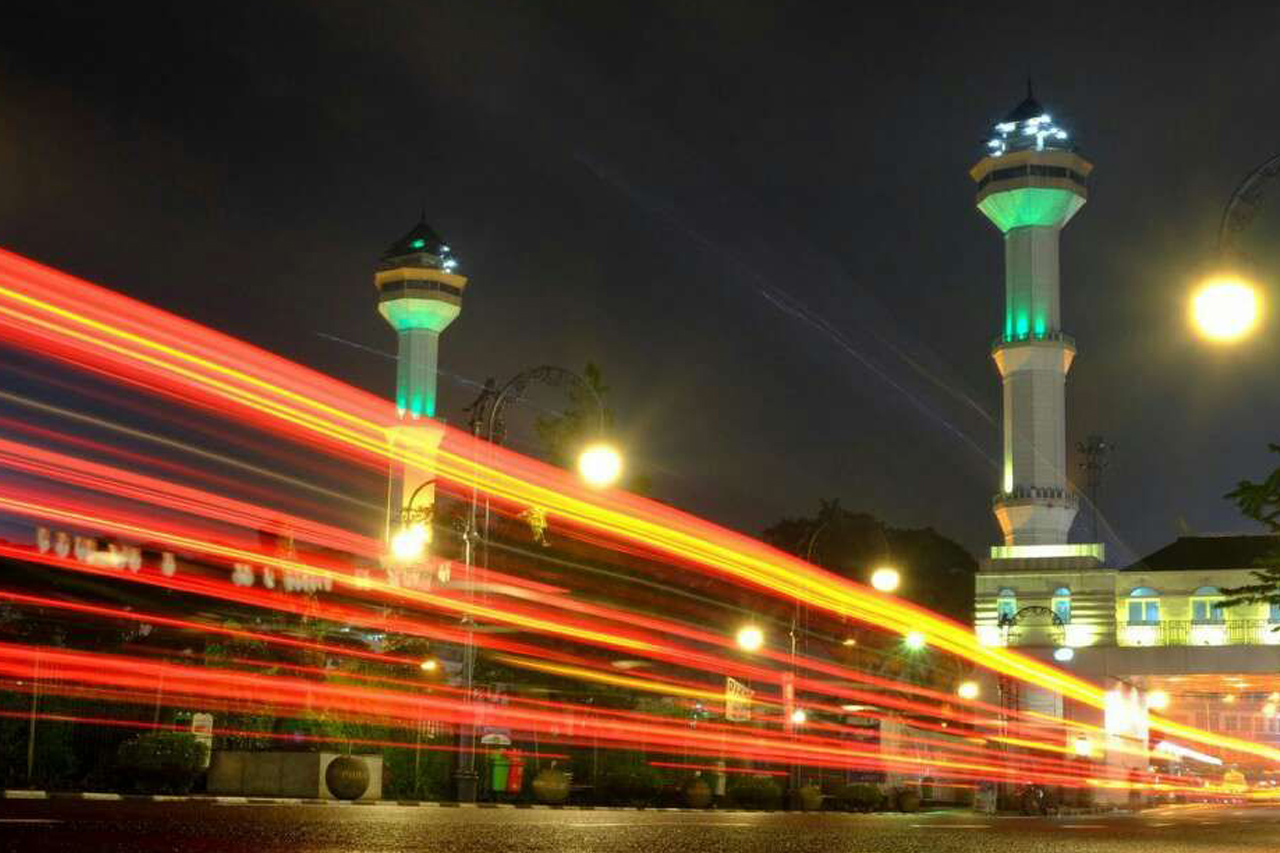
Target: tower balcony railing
<point>1032,493</point>
<point>1032,338</point>
<point>1228,632</point>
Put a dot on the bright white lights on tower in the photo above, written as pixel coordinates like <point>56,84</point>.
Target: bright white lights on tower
<point>1039,128</point>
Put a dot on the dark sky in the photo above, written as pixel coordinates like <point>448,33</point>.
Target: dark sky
<point>756,217</point>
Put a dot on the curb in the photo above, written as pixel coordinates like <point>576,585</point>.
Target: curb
<point>231,800</point>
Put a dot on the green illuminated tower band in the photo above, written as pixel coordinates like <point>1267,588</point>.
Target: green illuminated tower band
<point>419,295</point>
<point>1030,184</point>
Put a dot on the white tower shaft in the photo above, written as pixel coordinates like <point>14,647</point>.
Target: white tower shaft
<point>1030,195</point>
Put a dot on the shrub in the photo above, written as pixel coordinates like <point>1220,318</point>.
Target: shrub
<point>809,798</point>
<point>756,792</point>
<point>909,800</point>
<point>697,793</point>
<point>860,797</point>
<point>161,762</point>
<point>637,785</point>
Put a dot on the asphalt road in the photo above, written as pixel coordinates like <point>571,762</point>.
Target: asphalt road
<point>246,828</point>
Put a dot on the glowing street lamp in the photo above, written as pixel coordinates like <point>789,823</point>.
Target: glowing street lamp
<point>410,542</point>
<point>799,717</point>
<point>429,665</point>
<point>886,579</point>
<point>1157,700</point>
<point>750,638</point>
<point>1225,309</point>
<point>968,690</point>
<point>600,465</point>
<point>914,640</point>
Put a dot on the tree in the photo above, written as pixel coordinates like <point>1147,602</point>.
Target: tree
<point>1260,502</point>
<point>564,435</point>
<point>937,572</point>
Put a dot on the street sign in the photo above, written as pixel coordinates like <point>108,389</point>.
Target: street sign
<point>737,701</point>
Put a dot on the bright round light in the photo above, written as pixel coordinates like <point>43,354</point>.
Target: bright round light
<point>885,579</point>
<point>1269,709</point>
<point>410,543</point>
<point>799,717</point>
<point>1063,654</point>
<point>429,665</point>
<point>1083,746</point>
<point>750,639</point>
<point>600,465</point>
<point>914,641</point>
<point>968,690</point>
<point>1225,309</point>
<point>1157,700</point>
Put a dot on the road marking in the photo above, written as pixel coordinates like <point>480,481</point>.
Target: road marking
<point>1084,826</point>
<point>1163,823</point>
<point>661,823</point>
<point>42,820</point>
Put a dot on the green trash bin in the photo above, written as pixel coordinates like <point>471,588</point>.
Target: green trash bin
<point>500,768</point>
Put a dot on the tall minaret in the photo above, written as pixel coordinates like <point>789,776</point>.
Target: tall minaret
<point>419,295</point>
<point>1030,184</point>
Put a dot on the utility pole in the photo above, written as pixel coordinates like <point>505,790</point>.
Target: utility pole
<point>1097,456</point>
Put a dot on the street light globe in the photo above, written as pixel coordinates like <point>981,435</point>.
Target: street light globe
<point>600,465</point>
<point>1225,309</point>
<point>410,543</point>
<point>799,717</point>
<point>886,579</point>
<point>1157,700</point>
<point>1064,654</point>
<point>429,665</point>
<point>750,638</point>
<point>968,690</point>
<point>915,641</point>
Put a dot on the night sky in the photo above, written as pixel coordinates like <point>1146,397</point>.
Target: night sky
<point>756,217</point>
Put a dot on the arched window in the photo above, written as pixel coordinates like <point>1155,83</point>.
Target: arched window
<point>1206,605</point>
<point>1144,605</point>
<point>1062,603</point>
<point>1006,603</point>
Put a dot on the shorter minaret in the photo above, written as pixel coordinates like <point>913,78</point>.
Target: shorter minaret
<point>419,295</point>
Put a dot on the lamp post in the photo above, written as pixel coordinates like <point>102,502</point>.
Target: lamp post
<point>410,542</point>
<point>1226,307</point>
<point>599,465</point>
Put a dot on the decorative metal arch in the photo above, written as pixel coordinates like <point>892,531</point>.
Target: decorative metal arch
<point>488,408</point>
<point>1056,624</point>
<point>1245,203</point>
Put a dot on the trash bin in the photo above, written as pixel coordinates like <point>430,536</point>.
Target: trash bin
<point>515,776</point>
<point>501,771</point>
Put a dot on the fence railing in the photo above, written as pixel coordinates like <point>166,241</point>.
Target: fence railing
<point>1228,632</point>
